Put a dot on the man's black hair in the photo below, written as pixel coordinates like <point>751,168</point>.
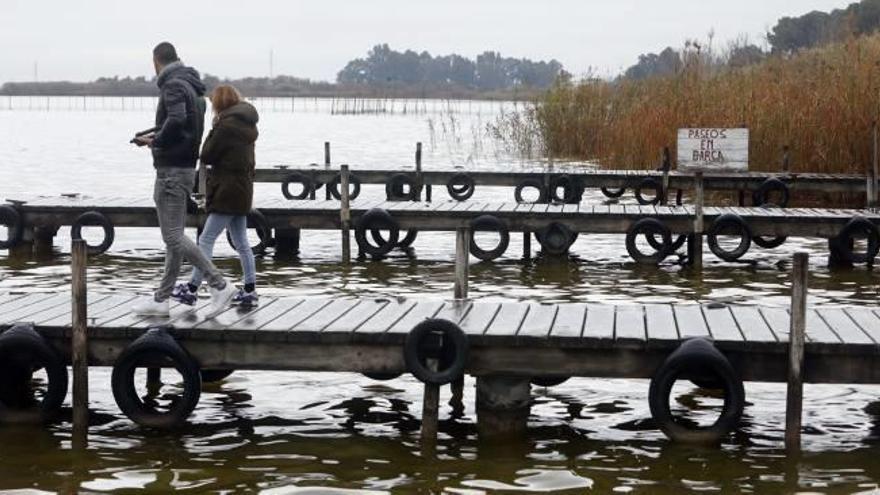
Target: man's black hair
<point>164,53</point>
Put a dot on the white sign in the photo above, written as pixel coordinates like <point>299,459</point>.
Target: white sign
<point>713,150</point>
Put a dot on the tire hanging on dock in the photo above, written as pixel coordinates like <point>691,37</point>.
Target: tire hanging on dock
<point>610,192</point>
<point>556,238</point>
<point>489,223</point>
<point>651,228</point>
<point>696,359</point>
<point>23,350</point>
<point>376,219</point>
<point>257,221</point>
<point>403,243</point>
<point>94,219</point>
<point>842,247</point>
<point>761,196</point>
<point>571,189</point>
<point>549,380</point>
<point>308,186</point>
<point>401,187</point>
<point>439,340</point>
<point>461,186</point>
<point>353,182</point>
<point>11,218</point>
<point>729,224</point>
<point>649,183</point>
<point>155,349</point>
<point>530,183</point>
<point>765,242</point>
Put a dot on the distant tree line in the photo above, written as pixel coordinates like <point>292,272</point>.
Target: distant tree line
<point>489,72</point>
<point>383,73</point>
<point>789,35</point>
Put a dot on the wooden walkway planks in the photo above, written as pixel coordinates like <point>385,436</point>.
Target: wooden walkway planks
<point>519,324</point>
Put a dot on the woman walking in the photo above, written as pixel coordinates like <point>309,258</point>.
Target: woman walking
<point>229,150</point>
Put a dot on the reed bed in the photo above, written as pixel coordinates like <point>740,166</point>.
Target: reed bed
<point>821,103</point>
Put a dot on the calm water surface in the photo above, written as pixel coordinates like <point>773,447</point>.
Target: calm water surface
<point>341,433</point>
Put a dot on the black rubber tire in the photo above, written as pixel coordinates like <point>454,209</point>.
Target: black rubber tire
<point>382,377</point>
<point>10,217</point>
<point>452,355</point>
<point>215,375</point>
<point>395,185</point>
<point>571,189</point>
<point>155,345</point>
<point>613,193</point>
<point>461,187</point>
<point>353,182</point>
<point>764,242</point>
<point>22,350</point>
<point>649,183</point>
<point>549,381</point>
<point>96,219</point>
<point>491,224</point>
<point>845,241</point>
<point>721,225</point>
<point>308,186</point>
<point>556,238</point>
<point>403,243</point>
<point>376,219</point>
<point>651,228</point>
<point>256,220</point>
<point>533,183</point>
<point>696,357</point>
<point>760,196</point>
<point>675,246</point>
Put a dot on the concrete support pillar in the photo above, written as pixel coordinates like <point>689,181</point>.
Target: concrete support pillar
<point>503,406</point>
<point>286,243</point>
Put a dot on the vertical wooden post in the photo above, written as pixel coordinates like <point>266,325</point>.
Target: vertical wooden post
<point>527,245</point>
<point>327,194</point>
<point>80,344</point>
<point>462,253</point>
<point>697,247</point>
<point>345,215</point>
<point>795,393</point>
<point>420,181</point>
<point>667,164</point>
<point>874,185</point>
<point>430,414</point>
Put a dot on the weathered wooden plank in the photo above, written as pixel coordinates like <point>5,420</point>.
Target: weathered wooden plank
<point>422,311</point>
<point>480,317</point>
<point>330,313</point>
<point>63,314</point>
<point>721,324</point>
<point>660,322</point>
<point>454,311</point>
<point>569,322</point>
<point>818,331</point>
<point>752,325</point>
<point>600,322</point>
<point>867,320</point>
<point>689,319</point>
<point>508,320</point>
<point>842,325</point>
<point>538,321</point>
<point>16,301</point>
<point>353,319</point>
<point>296,315</point>
<point>779,321</point>
<point>387,317</point>
<point>32,306</point>
<point>630,324</point>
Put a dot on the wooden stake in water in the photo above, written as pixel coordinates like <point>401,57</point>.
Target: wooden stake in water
<point>462,252</point>
<point>667,164</point>
<point>345,214</point>
<point>430,414</point>
<point>874,171</point>
<point>80,344</point>
<point>795,393</point>
<point>327,194</point>
<point>697,247</point>
<point>420,183</point>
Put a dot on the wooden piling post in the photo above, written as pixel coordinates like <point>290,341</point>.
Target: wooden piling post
<point>430,414</point>
<point>527,245</point>
<point>420,181</point>
<point>327,194</point>
<point>872,201</point>
<point>345,215</point>
<point>795,392</point>
<point>79,344</point>
<point>786,159</point>
<point>697,244</point>
<point>462,253</point>
<point>667,164</point>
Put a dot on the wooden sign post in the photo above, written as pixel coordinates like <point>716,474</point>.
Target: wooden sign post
<point>707,150</point>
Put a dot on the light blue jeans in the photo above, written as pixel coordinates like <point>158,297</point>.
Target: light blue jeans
<point>237,227</point>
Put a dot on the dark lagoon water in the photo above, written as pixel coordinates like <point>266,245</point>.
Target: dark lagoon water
<point>282,433</point>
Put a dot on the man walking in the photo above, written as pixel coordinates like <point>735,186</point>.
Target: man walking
<point>180,123</point>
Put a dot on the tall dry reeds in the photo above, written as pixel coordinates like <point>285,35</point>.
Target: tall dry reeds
<point>821,103</point>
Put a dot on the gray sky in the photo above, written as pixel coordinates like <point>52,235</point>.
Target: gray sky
<point>82,40</point>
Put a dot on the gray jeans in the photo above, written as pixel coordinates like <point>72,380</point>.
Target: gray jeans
<point>172,188</point>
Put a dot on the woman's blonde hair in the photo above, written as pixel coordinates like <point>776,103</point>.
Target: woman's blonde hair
<point>224,96</point>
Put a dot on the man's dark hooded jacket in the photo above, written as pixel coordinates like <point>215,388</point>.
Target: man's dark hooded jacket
<point>180,117</point>
<point>229,150</point>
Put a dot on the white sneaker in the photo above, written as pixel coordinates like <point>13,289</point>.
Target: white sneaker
<point>151,307</point>
<point>220,299</point>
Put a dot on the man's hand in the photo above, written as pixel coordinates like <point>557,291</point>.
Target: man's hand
<point>142,141</point>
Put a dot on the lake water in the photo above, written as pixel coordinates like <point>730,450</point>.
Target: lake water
<point>330,433</point>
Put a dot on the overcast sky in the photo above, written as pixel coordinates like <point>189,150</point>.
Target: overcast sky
<point>82,40</point>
